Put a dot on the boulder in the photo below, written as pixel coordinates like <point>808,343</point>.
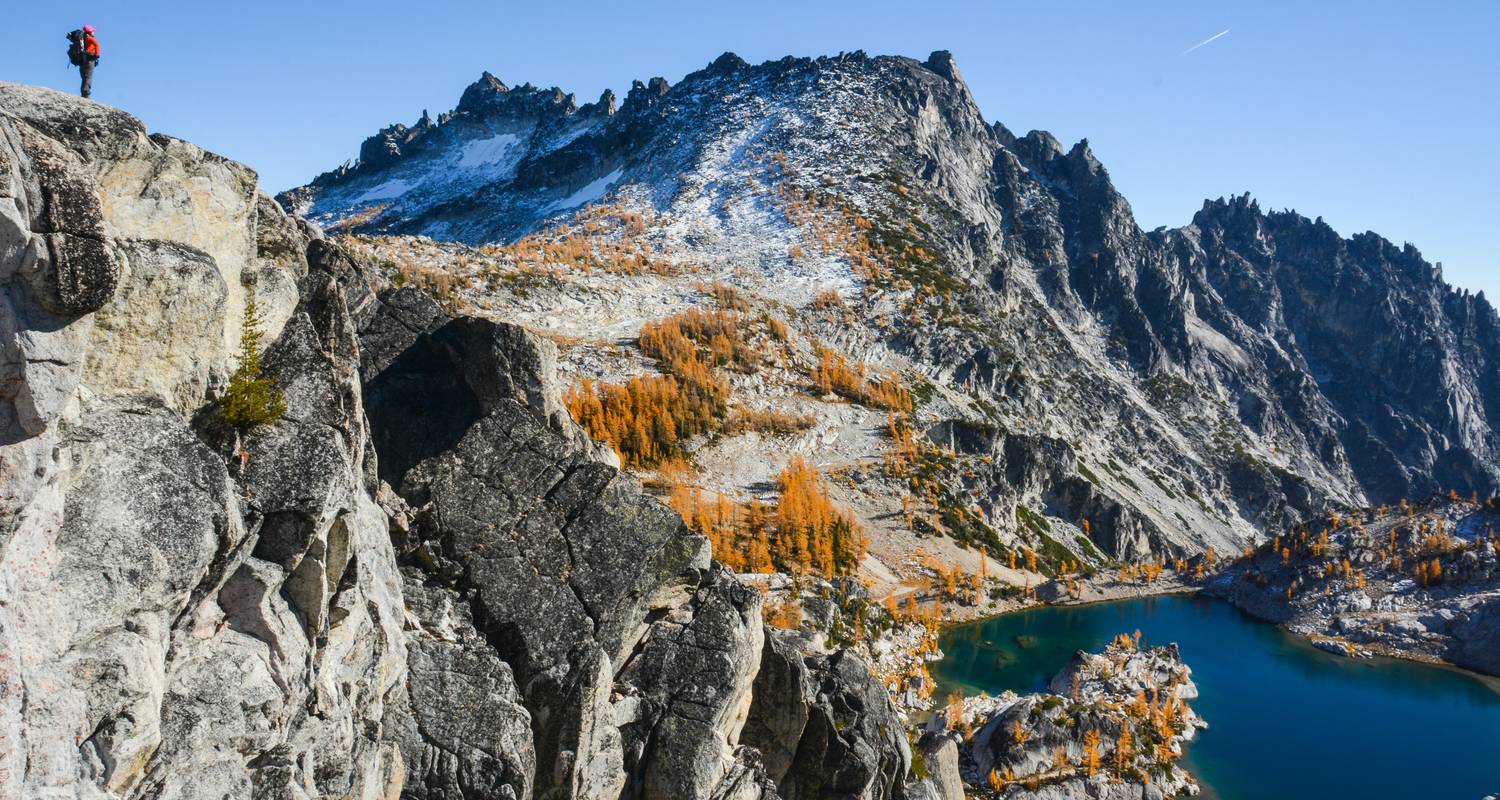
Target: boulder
<point>156,187</point>
<point>853,744</point>
<point>74,270</point>
<point>935,774</point>
<point>461,726</point>
<point>148,340</point>
<point>779,714</point>
<point>55,268</point>
<point>695,671</point>
<point>1476,639</point>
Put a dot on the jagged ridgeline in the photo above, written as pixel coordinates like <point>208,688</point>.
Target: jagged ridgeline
<point>1082,390</point>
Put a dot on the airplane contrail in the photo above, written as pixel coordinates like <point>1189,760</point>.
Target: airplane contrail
<point>1205,41</point>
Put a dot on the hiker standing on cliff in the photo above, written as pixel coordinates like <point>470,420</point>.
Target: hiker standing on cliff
<point>83,53</point>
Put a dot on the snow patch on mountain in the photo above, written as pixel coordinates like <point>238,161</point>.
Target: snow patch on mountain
<point>389,190</point>
<point>594,190</point>
<point>493,150</point>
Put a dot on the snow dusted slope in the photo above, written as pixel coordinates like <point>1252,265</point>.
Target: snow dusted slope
<point>478,148</point>
<point>1178,389</point>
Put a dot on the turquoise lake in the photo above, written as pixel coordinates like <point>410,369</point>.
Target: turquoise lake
<point>1286,720</point>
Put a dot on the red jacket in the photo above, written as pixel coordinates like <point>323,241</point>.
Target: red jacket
<point>90,45</point>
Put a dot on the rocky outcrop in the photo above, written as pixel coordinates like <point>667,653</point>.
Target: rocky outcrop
<point>96,597</point>
<point>775,728</point>
<point>1477,637</point>
<point>462,729</point>
<point>935,770</point>
<point>690,693</point>
<point>187,612</point>
<point>642,669</point>
<point>313,597</point>
<point>422,581</point>
<point>562,556</point>
<point>824,727</point>
<point>56,266</point>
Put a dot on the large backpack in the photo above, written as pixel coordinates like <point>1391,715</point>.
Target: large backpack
<point>76,54</point>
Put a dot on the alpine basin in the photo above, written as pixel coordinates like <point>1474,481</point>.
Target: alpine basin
<point>1286,720</point>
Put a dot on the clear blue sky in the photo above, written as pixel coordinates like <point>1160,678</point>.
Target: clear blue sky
<point>1379,116</point>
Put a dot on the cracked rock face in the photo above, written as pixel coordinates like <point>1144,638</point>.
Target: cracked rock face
<point>643,671</point>
<point>942,781</point>
<point>461,725</point>
<point>185,613</point>
<point>694,671</point>
<point>96,611</point>
<point>561,557</point>
<point>825,726</point>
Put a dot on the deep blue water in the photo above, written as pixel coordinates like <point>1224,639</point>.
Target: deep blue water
<point>1286,719</point>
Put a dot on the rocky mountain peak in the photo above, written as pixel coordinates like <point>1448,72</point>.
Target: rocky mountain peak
<point>1083,155</point>
<point>943,63</point>
<point>728,62</point>
<point>482,92</point>
<point>1039,147</point>
<point>605,106</point>
<point>645,95</point>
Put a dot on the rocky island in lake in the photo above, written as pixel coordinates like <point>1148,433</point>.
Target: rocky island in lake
<point>1111,725</point>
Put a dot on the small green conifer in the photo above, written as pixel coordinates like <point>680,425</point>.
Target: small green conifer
<point>252,398</point>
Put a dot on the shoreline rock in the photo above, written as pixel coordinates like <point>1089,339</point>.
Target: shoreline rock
<point>1421,584</point>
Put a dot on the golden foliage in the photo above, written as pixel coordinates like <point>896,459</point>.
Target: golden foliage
<point>834,375</point>
<point>828,300</point>
<point>1091,752</point>
<point>606,237</point>
<point>771,422</point>
<point>786,615</point>
<point>691,343</point>
<point>811,532</point>
<point>1123,747</point>
<point>739,533</point>
<point>805,532</point>
<point>777,328</point>
<point>646,419</point>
